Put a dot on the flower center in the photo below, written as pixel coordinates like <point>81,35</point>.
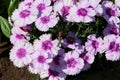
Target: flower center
<point>95,44</point>
<point>21,52</point>
<point>18,36</point>
<point>41,6</point>
<point>114,46</point>
<point>110,12</point>
<point>71,62</point>
<point>45,19</point>
<point>113,31</point>
<point>82,12</point>
<point>41,59</point>
<point>47,45</point>
<point>24,13</point>
<point>53,73</point>
<point>65,10</point>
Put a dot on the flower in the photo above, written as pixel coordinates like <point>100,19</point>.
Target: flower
<point>93,44</point>
<point>18,35</point>
<point>41,60</point>
<point>21,53</point>
<point>111,29</point>
<point>26,3</point>
<point>45,21</point>
<point>74,63</point>
<point>24,16</point>
<point>110,12</point>
<point>53,74</point>
<point>71,41</point>
<point>46,44</point>
<point>111,47</point>
<point>63,7</point>
<point>81,13</point>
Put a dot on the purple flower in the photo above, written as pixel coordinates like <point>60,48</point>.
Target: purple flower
<point>110,12</point>
<point>53,74</point>
<point>93,44</point>
<point>74,63</point>
<point>111,29</point>
<point>71,41</point>
<point>21,53</point>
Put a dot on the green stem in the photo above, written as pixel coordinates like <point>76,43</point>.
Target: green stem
<point>78,30</point>
<point>37,77</point>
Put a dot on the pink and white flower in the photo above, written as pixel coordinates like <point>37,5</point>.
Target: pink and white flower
<point>46,44</point>
<point>93,44</point>
<point>112,47</point>
<point>21,53</point>
<point>74,63</point>
<point>110,12</point>
<point>81,13</point>
<point>46,21</point>
<point>63,7</point>
<point>24,16</point>
<point>41,60</point>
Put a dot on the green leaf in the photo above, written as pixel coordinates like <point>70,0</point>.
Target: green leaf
<point>13,5</point>
<point>5,27</point>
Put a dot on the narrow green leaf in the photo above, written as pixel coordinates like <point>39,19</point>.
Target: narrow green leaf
<point>5,27</point>
<point>13,5</point>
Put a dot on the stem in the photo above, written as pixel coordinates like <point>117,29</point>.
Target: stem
<point>78,30</point>
<point>37,77</point>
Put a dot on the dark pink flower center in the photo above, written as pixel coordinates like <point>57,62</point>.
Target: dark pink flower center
<point>71,63</point>
<point>41,59</point>
<point>45,19</point>
<point>21,52</point>
<point>110,12</point>
<point>86,58</point>
<point>18,36</point>
<point>65,10</point>
<point>95,44</point>
<point>47,45</point>
<point>114,46</point>
<point>41,6</point>
<point>53,73</point>
<point>82,12</point>
<point>28,4</point>
<point>24,13</point>
<point>113,31</point>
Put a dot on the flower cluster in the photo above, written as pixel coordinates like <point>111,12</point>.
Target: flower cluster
<point>45,41</point>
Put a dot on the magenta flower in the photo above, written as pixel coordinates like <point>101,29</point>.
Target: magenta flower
<point>111,29</point>
<point>20,54</point>
<point>74,63</point>
<point>26,3</point>
<point>71,41</point>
